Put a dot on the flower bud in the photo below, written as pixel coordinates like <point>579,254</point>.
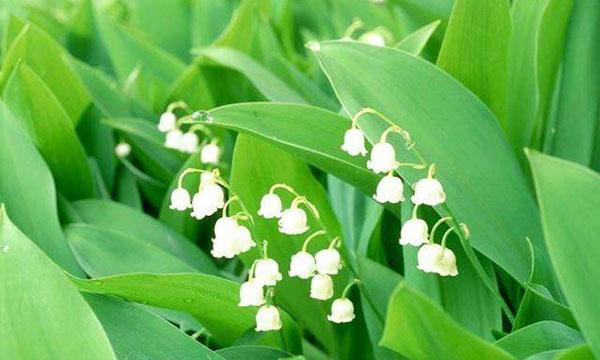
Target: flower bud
<point>429,257</point>
<point>180,200</point>
<point>268,318</point>
<point>251,294</point>
<point>373,38</point>
<point>390,189</point>
<point>173,139</point>
<point>293,221</point>
<point>210,154</point>
<point>122,150</point>
<point>383,158</point>
<point>328,261</point>
<point>342,311</point>
<point>302,265</point>
<point>270,206</point>
<point>266,272</point>
<point>414,232</point>
<point>189,143</point>
<point>321,287</point>
<point>429,192</point>
<point>167,122</point>
<point>354,142</point>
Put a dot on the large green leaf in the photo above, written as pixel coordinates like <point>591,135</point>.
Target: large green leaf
<point>535,52</point>
<point>569,199</point>
<point>42,315</point>
<point>578,103</point>
<point>415,42</point>
<point>538,305</point>
<point>539,337</point>
<point>209,19</point>
<point>50,61</point>
<point>48,124</point>
<point>27,190</point>
<point>419,329</point>
<point>136,333</point>
<point>439,114</point>
<point>103,252</point>
<point>212,300</point>
<point>125,220</point>
<point>247,352</point>
<point>475,50</point>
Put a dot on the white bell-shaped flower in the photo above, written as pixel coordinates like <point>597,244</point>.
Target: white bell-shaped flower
<point>224,247</point>
<point>173,139</point>
<point>447,266</point>
<point>268,318</point>
<point>373,38</point>
<point>383,158</point>
<point>302,265</point>
<point>226,226</point>
<point>207,201</point>
<point>429,257</point>
<point>342,311</point>
<point>354,142</point>
<point>189,143</point>
<point>251,294</point>
<point>167,122</point>
<point>428,191</point>
<point>244,239</point>
<point>266,272</point>
<point>122,150</point>
<point>293,221</point>
<point>321,287</point>
<point>414,232</point>
<point>328,261</point>
<point>270,206</point>
<point>390,189</point>
<point>180,200</point>
<point>210,154</point>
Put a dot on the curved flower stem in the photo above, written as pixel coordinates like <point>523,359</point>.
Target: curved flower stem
<point>348,287</point>
<point>180,104</point>
<point>445,236</point>
<point>202,128</point>
<point>285,187</point>
<point>302,200</point>
<point>265,249</point>
<point>139,173</point>
<point>190,171</point>
<point>251,271</point>
<point>431,171</point>
<point>336,242</point>
<point>414,211</point>
<point>436,226</point>
<point>356,24</point>
<point>312,236</point>
<point>229,201</point>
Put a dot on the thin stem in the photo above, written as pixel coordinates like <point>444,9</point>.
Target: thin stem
<point>177,105</point>
<point>356,24</point>
<point>336,242</point>
<point>269,295</point>
<point>202,128</point>
<point>139,173</point>
<point>229,201</point>
<point>414,212</point>
<point>265,250</point>
<point>348,287</point>
<point>385,134</point>
<point>285,187</point>
<point>446,234</point>
<point>302,200</point>
<point>188,171</point>
<point>312,236</point>
<point>431,171</point>
<point>251,271</point>
<point>437,225</point>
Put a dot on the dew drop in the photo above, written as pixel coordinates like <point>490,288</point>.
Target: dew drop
<point>5,248</point>
<point>188,300</point>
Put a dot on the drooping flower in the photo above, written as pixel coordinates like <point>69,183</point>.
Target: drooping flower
<point>225,242</point>
<point>302,265</point>
<point>251,294</point>
<point>354,142</point>
<point>266,272</point>
<point>189,143</point>
<point>447,266</point>
<point>122,150</point>
<point>180,199</point>
<point>173,139</point>
<point>208,199</point>
<point>390,189</point>
<point>167,122</point>
<point>373,38</point>
<point>268,318</point>
<point>244,239</point>
<point>383,158</point>
<point>328,261</point>
<point>293,221</point>
<point>414,232</point>
<point>342,311</point>
<point>428,191</point>
<point>210,154</point>
<point>270,206</point>
<point>321,287</point>
<point>434,258</point>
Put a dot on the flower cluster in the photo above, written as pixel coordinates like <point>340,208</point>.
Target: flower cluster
<point>319,268</point>
<point>188,141</point>
<point>428,191</point>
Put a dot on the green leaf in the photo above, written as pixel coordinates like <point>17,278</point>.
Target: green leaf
<point>209,19</point>
<point>103,252</point>
<point>136,333</point>
<point>581,352</point>
<point>535,52</point>
<point>475,50</point>
<point>195,294</point>
<point>27,190</point>
<point>241,29</point>
<point>36,295</point>
<point>578,105</point>
<point>571,225</point>
<point>127,221</point>
<point>127,190</point>
<point>415,42</point>
<point>539,337</point>
<point>48,124</point>
<point>252,352</point>
<point>440,113</point>
<point>419,329</point>
<point>537,305</point>
<point>50,61</point>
